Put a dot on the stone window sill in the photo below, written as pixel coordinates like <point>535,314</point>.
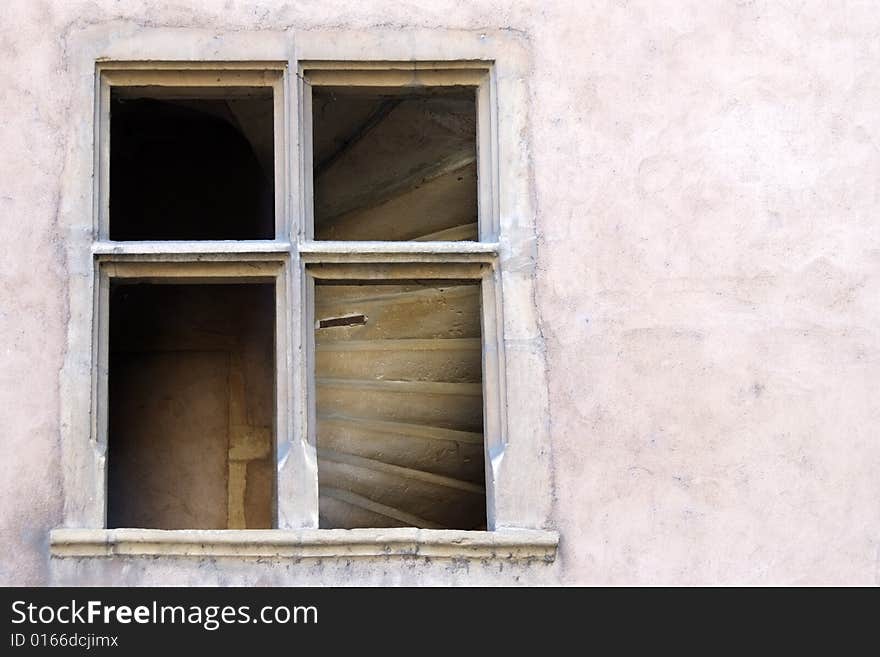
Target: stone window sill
<point>509,544</point>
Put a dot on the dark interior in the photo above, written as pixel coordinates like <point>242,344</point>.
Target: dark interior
<point>191,406</point>
<point>185,167</point>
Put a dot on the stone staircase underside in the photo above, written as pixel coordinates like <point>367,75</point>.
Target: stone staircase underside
<point>398,367</point>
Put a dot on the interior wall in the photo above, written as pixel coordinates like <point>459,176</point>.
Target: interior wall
<point>191,391</point>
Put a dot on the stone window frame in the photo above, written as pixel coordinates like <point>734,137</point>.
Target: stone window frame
<point>518,481</point>
<point>180,261</point>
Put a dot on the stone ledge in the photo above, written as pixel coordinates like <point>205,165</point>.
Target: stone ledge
<point>509,544</point>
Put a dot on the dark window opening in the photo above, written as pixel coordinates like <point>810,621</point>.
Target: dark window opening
<point>394,164</point>
<point>191,406</point>
<point>400,405</point>
<point>191,164</point>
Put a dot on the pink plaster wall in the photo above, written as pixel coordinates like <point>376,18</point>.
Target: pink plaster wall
<point>706,181</point>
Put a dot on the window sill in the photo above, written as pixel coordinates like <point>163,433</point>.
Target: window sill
<point>509,544</point>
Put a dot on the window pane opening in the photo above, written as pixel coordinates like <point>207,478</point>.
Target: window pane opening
<point>394,163</point>
<point>191,406</point>
<point>399,404</point>
<point>191,163</point>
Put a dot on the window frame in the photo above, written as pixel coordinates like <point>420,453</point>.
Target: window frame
<point>305,260</point>
<point>359,260</point>
<point>191,74</point>
<point>518,461</point>
<point>191,261</point>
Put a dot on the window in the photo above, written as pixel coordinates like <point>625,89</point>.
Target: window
<point>394,367</point>
<point>395,360</point>
<point>398,285</point>
<point>191,269</point>
<point>306,259</point>
<point>399,426</point>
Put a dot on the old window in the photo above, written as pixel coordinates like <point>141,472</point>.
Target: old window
<point>187,394</point>
<point>398,357</point>
<point>297,312</point>
<point>394,369</point>
<point>398,328</point>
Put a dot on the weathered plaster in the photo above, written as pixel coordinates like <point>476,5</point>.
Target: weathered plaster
<point>704,177</point>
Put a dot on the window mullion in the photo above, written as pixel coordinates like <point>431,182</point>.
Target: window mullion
<point>297,473</point>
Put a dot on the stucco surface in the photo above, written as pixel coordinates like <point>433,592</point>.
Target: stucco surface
<point>705,176</point>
